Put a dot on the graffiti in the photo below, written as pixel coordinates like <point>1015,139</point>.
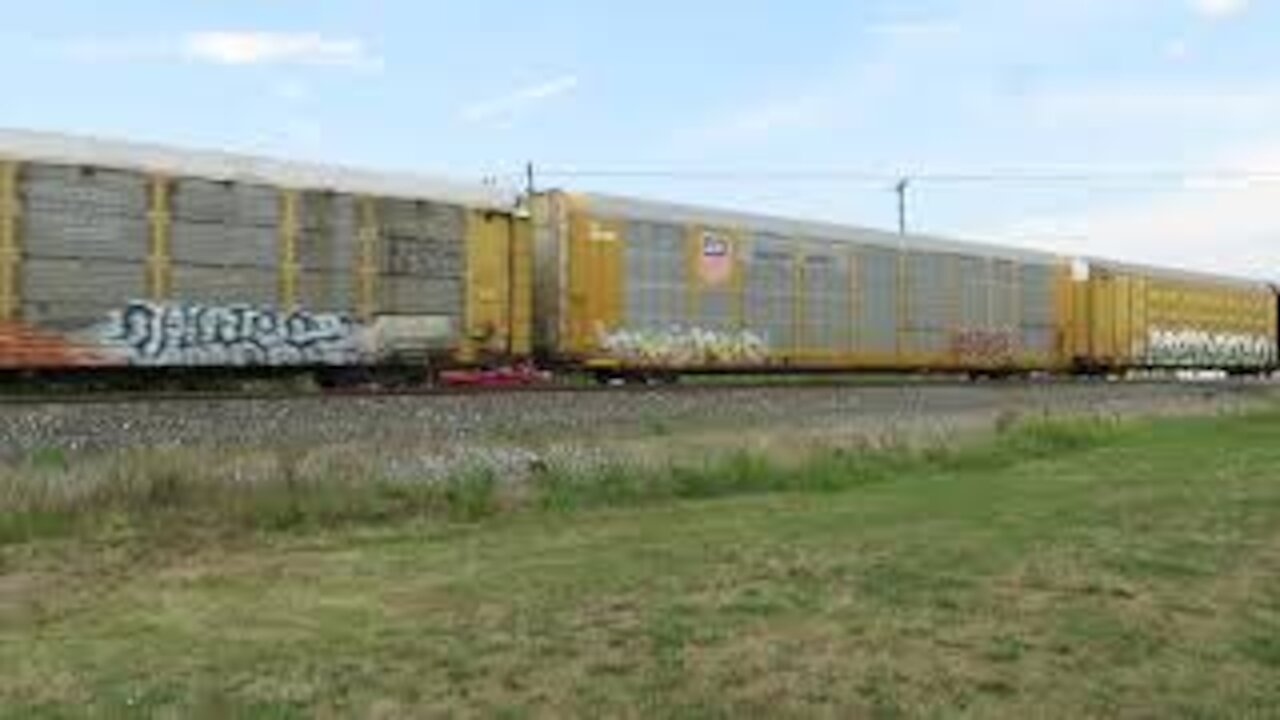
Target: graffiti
<point>158,334</point>
<point>985,347</point>
<point>681,346</point>
<point>1199,349</point>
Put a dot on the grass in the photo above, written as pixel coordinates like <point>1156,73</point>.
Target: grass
<point>176,493</point>
<point>1063,569</point>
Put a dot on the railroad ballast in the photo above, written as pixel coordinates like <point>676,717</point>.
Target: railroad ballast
<point>123,256</point>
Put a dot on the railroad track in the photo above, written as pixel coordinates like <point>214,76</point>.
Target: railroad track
<point>111,397</point>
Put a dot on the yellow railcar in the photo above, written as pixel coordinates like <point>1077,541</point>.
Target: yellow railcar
<point>1134,317</point>
<point>628,285</point>
<point>127,255</point>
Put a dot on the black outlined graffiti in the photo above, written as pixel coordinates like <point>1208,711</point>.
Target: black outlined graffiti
<point>189,334</point>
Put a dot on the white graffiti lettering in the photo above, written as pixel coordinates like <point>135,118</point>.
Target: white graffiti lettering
<point>1199,349</point>
<point>685,347</point>
<point>189,334</point>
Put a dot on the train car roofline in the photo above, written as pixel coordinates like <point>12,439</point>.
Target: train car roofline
<point>218,165</point>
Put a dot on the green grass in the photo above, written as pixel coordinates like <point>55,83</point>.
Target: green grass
<point>1070,570</point>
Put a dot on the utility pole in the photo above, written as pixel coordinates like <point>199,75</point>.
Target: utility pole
<point>529,178</point>
<point>903,185</point>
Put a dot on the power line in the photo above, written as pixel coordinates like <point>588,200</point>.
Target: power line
<point>891,180</point>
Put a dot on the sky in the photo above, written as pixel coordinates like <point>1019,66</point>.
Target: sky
<point>1144,130</point>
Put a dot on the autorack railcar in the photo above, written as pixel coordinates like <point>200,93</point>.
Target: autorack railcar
<point>1132,317</point>
<point>119,255</point>
<point>631,287</point>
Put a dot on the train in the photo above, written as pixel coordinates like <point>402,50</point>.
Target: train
<point>138,259</point>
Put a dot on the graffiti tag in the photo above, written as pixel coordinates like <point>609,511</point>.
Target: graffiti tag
<point>1199,349</point>
<point>159,334</point>
<point>685,346</point>
<point>986,347</point>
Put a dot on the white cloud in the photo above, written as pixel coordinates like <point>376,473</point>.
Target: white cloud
<point>1153,105</point>
<point>292,91</point>
<point>1177,50</point>
<point>303,132</point>
<point>794,114</point>
<point>101,50</point>
<point>265,48</point>
<point>230,48</point>
<point>929,30</point>
<point>505,106</point>
<point>1216,9</point>
<point>1225,225</point>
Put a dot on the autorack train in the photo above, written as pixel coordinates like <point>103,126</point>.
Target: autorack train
<point>127,258</point>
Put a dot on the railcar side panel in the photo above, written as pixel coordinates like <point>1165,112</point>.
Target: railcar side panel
<point>879,302</point>
<point>327,237</point>
<point>84,251</point>
<point>645,287</point>
<point>772,298</point>
<point>825,312</point>
<point>136,266</point>
<point>520,280</point>
<point>1145,318</point>
<point>596,282</point>
<point>498,279</point>
<point>657,295</point>
<point>550,228</point>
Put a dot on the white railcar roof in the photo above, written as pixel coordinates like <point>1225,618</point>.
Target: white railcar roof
<point>56,148</point>
<point>655,211</point>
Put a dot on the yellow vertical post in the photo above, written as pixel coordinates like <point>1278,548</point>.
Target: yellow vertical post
<point>1122,291</point>
<point>855,304</point>
<point>489,289</point>
<point>160,255</point>
<point>693,276</point>
<point>1065,317</point>
<point>743,250</point>
<point>738,279</point>
<point>1137,348</point>
<point>1015,302</point>
<point>611,265</point>
<point>577,265</point>
<point>10,242</point>
<point>290,269</point>
<point>1082,318</point>
<point>799,336</point>
<point>597,282</point>
<point>955,291</point>
<point>478,285</point>
<point>367,260</point>
<point>993,282</point>
<point>520,293</point>
<point>904,272</point>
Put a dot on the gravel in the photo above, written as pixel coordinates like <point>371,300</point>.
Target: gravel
<point>442,426</point>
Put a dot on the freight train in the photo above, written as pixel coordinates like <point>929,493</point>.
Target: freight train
<point>139,259</point>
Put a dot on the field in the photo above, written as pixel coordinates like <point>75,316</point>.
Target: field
<point>1072,568</point>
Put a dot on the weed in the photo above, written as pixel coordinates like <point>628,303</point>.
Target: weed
<point>289,489</point>
<point>657,427</point>
<point>472,495</point>
<point>48,459</point>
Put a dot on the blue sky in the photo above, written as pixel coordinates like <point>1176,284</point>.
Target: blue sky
<point>1109,88</point>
